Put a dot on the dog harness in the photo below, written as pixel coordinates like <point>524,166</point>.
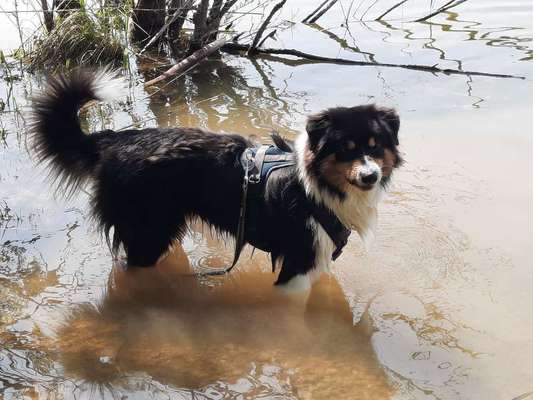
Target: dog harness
<point>258,164</point>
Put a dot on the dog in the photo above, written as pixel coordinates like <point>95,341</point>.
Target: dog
<point>148,184</point>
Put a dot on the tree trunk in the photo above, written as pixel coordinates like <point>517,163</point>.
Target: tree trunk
<point>148,19</point>
<point>216,15</point>
<point>199,35</point>
<point>48,16</point>
<point>174,29</point>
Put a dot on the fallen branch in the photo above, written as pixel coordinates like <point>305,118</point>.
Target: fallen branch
<point>391,9</point>
<point>315,11</point>
<point>233,47</point>
<point>445,7</point>
<point>190,61</point>
<point>257,38</point>
<point>317,16</point>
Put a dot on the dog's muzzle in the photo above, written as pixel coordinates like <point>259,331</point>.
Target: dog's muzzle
<point>367,174</point>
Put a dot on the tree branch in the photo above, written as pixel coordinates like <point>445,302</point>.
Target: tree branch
<point>264,25</point>
<point>191,61</point>
<point>317,16</point>
<point>391,9</point>
<point>445,7</point>
<point>315,11</point>
<point>233,47</point>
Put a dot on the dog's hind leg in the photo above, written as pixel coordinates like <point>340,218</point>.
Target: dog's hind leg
<point>144,246</point>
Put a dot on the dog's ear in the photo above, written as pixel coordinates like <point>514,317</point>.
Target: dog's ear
<point>317,125</point>
<point>390,117</point>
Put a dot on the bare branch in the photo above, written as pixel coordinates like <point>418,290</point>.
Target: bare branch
<point>317,16</point>
<point>445,7</point>
<point>315,11</point>
<point>390,9</point>
<point>264,25</point>
<point>270,35</point>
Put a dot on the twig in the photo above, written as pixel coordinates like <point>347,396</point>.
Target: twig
<point>368,9</point>
<point>270,35</point>
<point>317,16</point>
<point>445,7</point>
<point>264,25</point>
<point>391,9</point>
<point>315,11</point>
<point>190,61</point>
<point>232,47</point>
<point>321,13</point>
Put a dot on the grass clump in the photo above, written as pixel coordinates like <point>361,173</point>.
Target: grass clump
<point>78,39</point>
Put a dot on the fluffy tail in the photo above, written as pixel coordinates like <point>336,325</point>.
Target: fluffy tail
<point>56,131</point>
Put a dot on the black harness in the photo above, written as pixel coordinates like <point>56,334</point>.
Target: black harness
<point>258,164</point>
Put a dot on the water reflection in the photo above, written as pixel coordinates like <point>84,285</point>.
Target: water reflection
<point>343,42</point>
<point>230,100</point>
<point>233,336</point>
<point>491,37</point>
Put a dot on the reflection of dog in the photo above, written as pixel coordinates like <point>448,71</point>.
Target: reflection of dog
<point>148,183</point>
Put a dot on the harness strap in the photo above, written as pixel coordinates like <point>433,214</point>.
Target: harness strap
<point>335,229</point>
<point>249,162</point>
<point>253,162</point>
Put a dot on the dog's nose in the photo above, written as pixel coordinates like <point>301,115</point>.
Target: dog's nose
<point>369,179</point>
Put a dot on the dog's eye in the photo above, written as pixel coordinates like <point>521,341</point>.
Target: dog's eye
<point>371,142</point>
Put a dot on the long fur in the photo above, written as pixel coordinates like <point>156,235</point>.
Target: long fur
<point>148,183</point>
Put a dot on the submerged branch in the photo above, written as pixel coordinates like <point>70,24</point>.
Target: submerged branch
<point>233,47</point>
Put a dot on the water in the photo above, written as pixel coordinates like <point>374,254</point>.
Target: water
<point>438,306</point>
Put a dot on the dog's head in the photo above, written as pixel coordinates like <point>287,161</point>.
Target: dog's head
<point>352,148</point>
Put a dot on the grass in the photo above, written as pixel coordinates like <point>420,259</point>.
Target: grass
<point>79,39</point>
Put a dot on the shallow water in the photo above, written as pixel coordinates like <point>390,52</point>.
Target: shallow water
<point>437,307</point>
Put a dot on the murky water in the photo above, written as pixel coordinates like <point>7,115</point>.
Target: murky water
<point>437,307</point>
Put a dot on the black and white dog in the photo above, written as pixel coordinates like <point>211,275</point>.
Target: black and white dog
<point>149,183</point>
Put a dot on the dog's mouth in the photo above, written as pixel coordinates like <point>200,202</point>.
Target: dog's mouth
<point>360,185</point>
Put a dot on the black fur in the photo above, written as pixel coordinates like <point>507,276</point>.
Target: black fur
<point>147,183</point>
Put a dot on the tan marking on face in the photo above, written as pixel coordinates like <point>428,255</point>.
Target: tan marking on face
<point>372,142</point>
<point>388,162</point>
<point>339,174</point>
<point>350,145</point>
